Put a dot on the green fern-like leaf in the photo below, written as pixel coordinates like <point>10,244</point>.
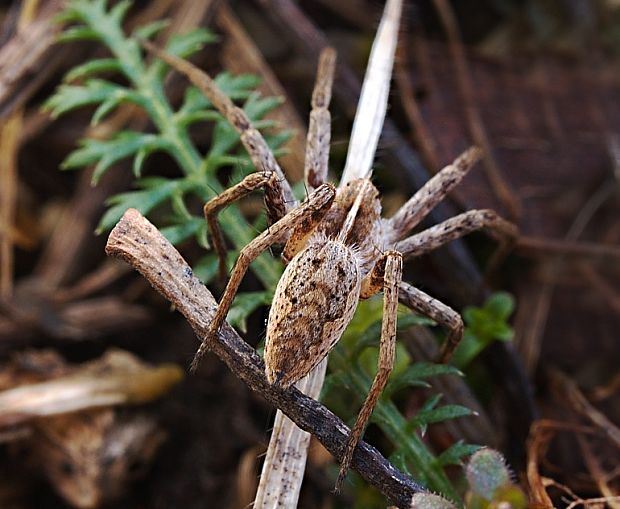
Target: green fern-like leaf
<point>142,84</point>
<point>93,68</point>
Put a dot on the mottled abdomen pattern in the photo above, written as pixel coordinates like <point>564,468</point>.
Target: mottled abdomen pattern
<point>313,303</point>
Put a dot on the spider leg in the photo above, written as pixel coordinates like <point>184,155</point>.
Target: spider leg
<point>444,315</point>
<point>456,227</point>
<point>251,138</point>
<point>430,194</point>
<point>386,275</point>
<point>319,128</point>
<point>308,213</point>
<point>275,208</point>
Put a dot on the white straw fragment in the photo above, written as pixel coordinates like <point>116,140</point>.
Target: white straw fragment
<point>372,105</point>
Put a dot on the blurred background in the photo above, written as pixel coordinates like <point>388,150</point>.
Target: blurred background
<point>534,83</point>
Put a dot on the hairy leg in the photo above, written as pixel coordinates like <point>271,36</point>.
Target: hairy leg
<point>319,128</point>
<point>308,213</point>
<point>430,194</point>
<point>275,209</point>
<point>444,315</point>
<point>456,227</point>
<point>251,138</point>
<point>386,276</point>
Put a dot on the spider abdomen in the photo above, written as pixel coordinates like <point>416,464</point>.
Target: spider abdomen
<point>313,303</point>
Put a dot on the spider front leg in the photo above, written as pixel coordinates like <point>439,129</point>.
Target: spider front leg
<point>308,214</point>
<point>319,128</point>
<point>251,138</point>
<point>275,208</point>
<point>456,227</point>
<point>444,315</point>
<point>386,275</point>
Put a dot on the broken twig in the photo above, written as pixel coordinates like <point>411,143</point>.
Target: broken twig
<point>139,243</point>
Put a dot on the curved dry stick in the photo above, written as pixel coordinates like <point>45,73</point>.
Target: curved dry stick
<point>135,240</point>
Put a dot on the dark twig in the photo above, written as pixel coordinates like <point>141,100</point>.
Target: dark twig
<point>139,243</point>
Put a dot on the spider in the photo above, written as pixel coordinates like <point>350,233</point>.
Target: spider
<point>337,247</point>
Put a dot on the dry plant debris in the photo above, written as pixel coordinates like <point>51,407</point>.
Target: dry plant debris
<point>65,422</point>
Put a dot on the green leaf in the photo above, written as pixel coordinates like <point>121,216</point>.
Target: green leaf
<point>145,150</point>
<point>334,381</point>
<point>183,46</point>
<point>202,236</point>
<point>237,87</point>
<point>244,305</point>
<point>156,191</point>
<point>454,454</point>
<point>180,208</point>
<point>225,137</point>
<point>277,141</point>
<point>399,460</point>
<point>107,106</point>
<point>67,16</point>
<point>185,119</point>
<point>181,232</point>
<point>483,326</point>
<point>150,30</point>
<point>118,12</point>
<point>443,413</point>
<point>187,44</point>
<point>93,67</point>
<point>257,107</point>
<point>77,33</point>
<point>103,20</point>
<point>139,159</point>
<point>414,375</point>
<point>372,334</point>
<point>206,268</point>
<point>104,153</point>
<point>69,97</point>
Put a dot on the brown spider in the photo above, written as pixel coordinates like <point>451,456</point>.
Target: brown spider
<point>335,241</point>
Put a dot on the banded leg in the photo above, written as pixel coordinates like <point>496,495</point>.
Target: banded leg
<point>456,227</point>
<point>444,315</point>
<point>309,213</point>
<point>430,194</point>
<point>251,138</point>
<point>275,209</point>
<point>319,127</point>
<point>386,275</point>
